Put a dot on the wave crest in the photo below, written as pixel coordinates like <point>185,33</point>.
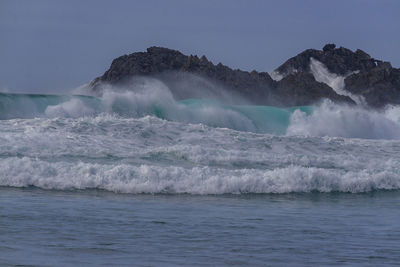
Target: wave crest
<point>151,97</point>
<point>329,119</point>
<point>125,178</point>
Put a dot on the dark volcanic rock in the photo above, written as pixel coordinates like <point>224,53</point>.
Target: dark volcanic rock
<point>341,60</point>
<point>302,87</point>
<point>379,86</point>
<point>329,47</point>
<point>378,82</point>
<point>157,60</point>
<point>258,87</point>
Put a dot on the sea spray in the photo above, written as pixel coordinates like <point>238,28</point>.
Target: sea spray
<point>336,82</point>
<point>145,141</point>
<point>329,119</point>
<point>152,97</point>
<point>152,155</point>
<point>324,119</point>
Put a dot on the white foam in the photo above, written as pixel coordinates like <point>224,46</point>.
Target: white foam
<point>336,82</point>
<point>392,113</point>
<point>150,96</point>
<point>150,155</point>
<point>72,108</point>
<point>276,76</point>
<point>112,143</point>
<point>124,178</point>
<point>329,119</point>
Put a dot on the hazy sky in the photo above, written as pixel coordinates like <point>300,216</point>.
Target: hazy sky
<point>54,46</point>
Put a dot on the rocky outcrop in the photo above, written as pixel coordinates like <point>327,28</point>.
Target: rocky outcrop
<point>338,60</point>
<point>257,87</point>
<point>157,60</point>
<point>376,81</point>
<point>379,86</point>
<point>302,88</point>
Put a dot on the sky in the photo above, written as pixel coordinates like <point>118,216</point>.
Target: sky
<point>54,46</point>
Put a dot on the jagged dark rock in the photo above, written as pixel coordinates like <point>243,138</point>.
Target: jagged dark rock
<point>302,88</point>
<point>157,60</point>
<point>379,86</point>
<point>377,81</point>
<point>258,87</point>
<point>341,60</point>
<point>328,47</point>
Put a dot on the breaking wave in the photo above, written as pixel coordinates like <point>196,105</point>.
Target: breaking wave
<point>152,155</point>
<point>127,178</point>
<point>145,141</point>
<point>155,99</point>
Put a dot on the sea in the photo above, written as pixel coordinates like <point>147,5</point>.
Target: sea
<point>137,178</point>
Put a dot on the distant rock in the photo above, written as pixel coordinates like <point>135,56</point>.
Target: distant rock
<point>379,86</point>
<point>338,60</point>
<point>302,88</point>
<point>329,47</point>
<point>376,81</point>
<point>255,86</point>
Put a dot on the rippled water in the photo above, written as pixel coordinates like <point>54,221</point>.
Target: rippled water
<point>93,228</point>
<point>141,179</point>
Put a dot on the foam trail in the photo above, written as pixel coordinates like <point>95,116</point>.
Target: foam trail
<point>72,108</point>
<point>151,97</point>
<point>336,82</point>
<point>153,155</point>
<point>124,178</point>
<point>329,119</point>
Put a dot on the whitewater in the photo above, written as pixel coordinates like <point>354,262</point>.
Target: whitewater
<point>135,177</point>
<point>145,141</point>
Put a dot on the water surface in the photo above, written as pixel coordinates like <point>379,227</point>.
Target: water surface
<point>66,228</point>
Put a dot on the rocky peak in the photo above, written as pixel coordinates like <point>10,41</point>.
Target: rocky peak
<point>158,60</point>
<point>329,47</point>
<point>374,80</point>
<point>340,60</point>
<point>157,50</point>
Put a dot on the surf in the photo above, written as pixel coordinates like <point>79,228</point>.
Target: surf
<point>261,119</point>
<point>323,119</point>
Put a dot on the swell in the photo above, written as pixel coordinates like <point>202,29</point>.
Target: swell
<point>264,119</point>
<point>28,106</point>
<point>145,141</point>
<point>324,119</point>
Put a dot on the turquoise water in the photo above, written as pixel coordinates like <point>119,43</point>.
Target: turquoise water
<point>138,178</point>
<point>266,119</point>
<point>241,117</point>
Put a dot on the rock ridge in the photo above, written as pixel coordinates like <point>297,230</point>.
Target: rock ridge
<point>377,81</point>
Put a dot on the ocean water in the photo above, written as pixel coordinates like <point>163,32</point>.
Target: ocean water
<point>139,178</point>
<point>98,228</point>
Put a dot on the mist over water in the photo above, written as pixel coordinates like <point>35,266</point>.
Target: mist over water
<point>152,97</point>
<point>140,139</point>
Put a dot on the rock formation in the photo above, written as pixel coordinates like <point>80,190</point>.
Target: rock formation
<point>378,82</point>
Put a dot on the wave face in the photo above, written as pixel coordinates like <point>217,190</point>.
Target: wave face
<point>325,119</point>
<point>145,141</point>
<point>158,103</point>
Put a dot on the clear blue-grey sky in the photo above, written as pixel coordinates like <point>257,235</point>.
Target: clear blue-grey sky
<point>54,46</point>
